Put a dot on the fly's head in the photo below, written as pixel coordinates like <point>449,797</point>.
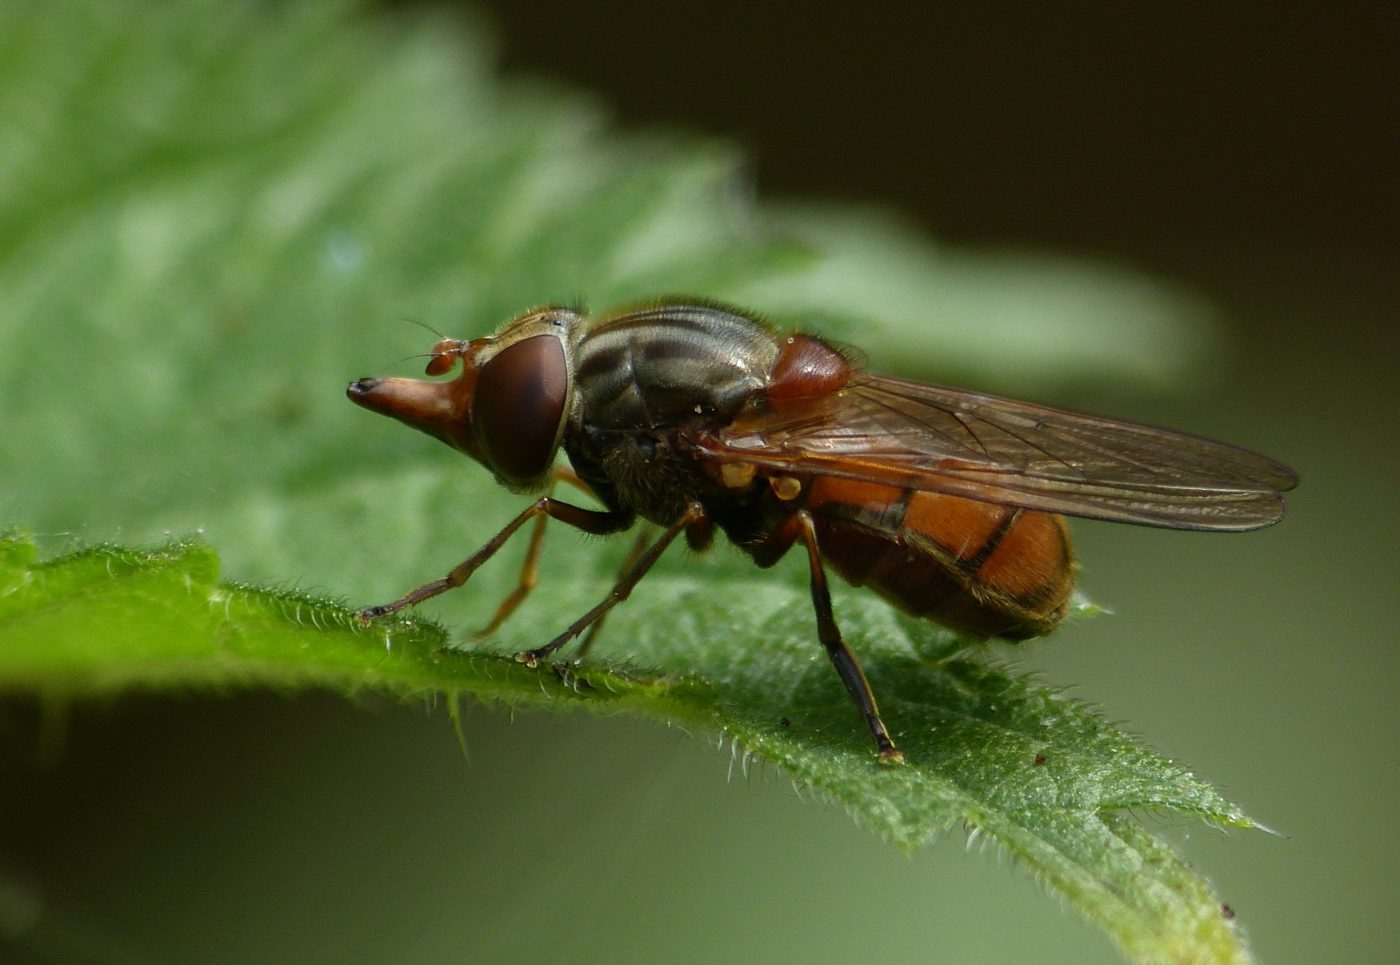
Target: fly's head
<point>508,405</point>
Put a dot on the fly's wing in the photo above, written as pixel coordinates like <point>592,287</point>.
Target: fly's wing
<point>918,436</point>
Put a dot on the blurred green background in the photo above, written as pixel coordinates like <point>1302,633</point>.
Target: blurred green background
<point>1235,151</point>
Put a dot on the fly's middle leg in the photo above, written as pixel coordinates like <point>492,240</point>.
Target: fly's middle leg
<point>644,562</point>
<point>639,545</point>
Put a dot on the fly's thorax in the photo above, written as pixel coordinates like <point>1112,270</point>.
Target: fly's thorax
<point>643,379</point>
<point>671,366</point>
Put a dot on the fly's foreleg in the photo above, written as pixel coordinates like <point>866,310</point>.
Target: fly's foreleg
<point>529,570</point>
<point>631,576</point>
<point>596,522</point>
<point>845,661</point>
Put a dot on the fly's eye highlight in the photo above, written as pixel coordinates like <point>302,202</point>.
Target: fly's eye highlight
<point>519,405</point>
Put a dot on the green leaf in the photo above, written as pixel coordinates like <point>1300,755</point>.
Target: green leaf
<point>1033,771</point>
<point>216,215</point>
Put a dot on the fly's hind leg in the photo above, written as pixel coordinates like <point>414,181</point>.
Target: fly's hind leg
<point>845,661</point>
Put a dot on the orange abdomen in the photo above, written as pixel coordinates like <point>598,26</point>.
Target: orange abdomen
<point>981,568</point>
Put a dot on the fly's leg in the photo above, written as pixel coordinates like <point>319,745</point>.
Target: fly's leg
<point>639,546</point>
<point>529,576</point>
<point>529,571</point>
<point>596,522</point>
<point>645,561</point>
<point>845,661</point>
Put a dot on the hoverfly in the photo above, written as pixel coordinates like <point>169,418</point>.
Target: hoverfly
<point>950,504</point>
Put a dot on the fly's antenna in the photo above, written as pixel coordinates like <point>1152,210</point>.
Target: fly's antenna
<point>415,355</point>
<point>423,325</point>
<point>427,328</point>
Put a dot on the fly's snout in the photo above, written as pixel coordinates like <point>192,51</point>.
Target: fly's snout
<point>413,401</point>
<point>441,409</point>
<point>361,389</point>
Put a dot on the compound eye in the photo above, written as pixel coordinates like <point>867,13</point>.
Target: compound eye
<point>518,405</point>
